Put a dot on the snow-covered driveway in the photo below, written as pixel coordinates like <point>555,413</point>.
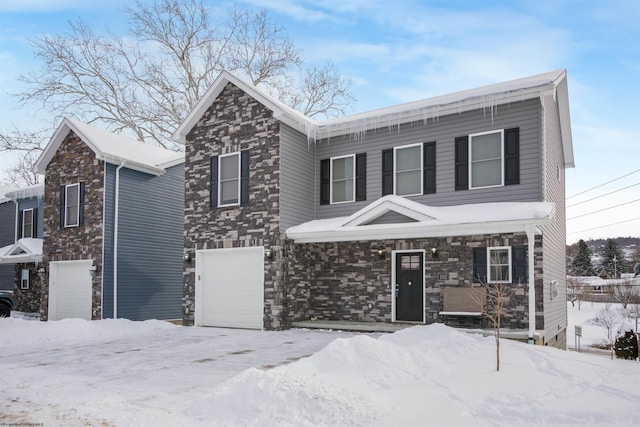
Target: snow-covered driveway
<point>135,373</point>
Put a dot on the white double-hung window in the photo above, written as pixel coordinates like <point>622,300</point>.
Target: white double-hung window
<point>486,168</point>
<point>27,223</point>
<point>72,205</point>
<point>499,263</point>
<point>229,179</point>
<point>408,170</point>
<point>343,182</point>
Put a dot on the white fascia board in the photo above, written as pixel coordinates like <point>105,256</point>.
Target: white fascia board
<point>116,160</point>
<point>414,231</point>
<point>565,123</point>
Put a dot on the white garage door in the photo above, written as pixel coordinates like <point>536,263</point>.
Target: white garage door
<point>70,290</point>
<point>230,287</point>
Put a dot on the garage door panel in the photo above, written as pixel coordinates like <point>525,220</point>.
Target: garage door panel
<point>230,287</point>
<point>70,290</point>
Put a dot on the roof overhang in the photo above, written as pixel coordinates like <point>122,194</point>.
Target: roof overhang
<point>448,221</point>
<point>25,250</point>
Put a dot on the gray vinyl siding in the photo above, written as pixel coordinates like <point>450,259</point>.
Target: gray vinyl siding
<point>34,203</point>
<point>7,237</point>
<point>107,261</point>
<point>150,244</point>
<point>297,178</point>
<point>526,115</point>
<point>554,234</point>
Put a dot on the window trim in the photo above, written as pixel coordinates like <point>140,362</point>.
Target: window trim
<point>395,168</point>
<point>353,179</point>
<point>220,181</point>
<point>471,162</point>
<point>66,205</point>
<point>31,225</point>
<point>509,263</point>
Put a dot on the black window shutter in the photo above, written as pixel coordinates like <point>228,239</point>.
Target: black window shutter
<point>34,228</point>
<point>480,265</point>
<point>20,217</point>
<point>519,264</point>
<point>462,163</point>
<point>387,171</point>
<point>63,193</point>
<point>213,188</point>
<point>429,167</point>
<point>244,177</point>
<point>81,205</point>
<point>325,181</point>
<point>361,177</point>
<point>512,156</point>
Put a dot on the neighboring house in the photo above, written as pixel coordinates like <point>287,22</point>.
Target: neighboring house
<point>23,257</point>
<point>112,226</point>
<point>374,217</point>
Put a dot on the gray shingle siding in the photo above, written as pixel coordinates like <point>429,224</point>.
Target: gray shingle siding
<point>150,240</point>
<point>525,115</point>
<point>297,178</point>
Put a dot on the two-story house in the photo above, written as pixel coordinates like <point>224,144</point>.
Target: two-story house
<point>373,217</point>
<point>112,243</point>
<point>21,260</point>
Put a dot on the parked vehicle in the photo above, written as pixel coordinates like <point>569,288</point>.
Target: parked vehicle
<point>8,302</point>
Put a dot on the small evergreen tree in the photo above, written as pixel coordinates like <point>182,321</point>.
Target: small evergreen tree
<point>581,264</point>
<point>612,260</point>
<point>626,346</point>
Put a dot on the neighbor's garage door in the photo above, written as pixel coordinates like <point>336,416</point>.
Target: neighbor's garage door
<point>230,287</point>
<point>69,289</point>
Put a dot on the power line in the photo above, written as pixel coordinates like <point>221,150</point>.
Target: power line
<point>601,185</point>
<point>606,194</point>
<point>603,226</point>
<point>605,209</point>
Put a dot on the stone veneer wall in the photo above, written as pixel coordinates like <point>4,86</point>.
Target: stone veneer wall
<point>234,122</point>
<point>349,281</point>
<point>28,299</point>
<point>74,162</point>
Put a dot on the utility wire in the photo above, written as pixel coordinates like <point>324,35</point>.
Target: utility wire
<point>601,185</point>
<point>603,226</point>
<point>605,209</point>
<point>597,197</point>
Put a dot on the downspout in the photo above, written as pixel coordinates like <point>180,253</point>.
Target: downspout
<point>532,280</point>
<point>115,241</point>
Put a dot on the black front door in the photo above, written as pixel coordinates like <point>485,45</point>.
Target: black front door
<point>409,286</point>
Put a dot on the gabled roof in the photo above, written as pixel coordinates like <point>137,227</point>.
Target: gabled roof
<point>112,148</point>
<point>425,221</point>
<point>24,250</point>
<point>486,97</point>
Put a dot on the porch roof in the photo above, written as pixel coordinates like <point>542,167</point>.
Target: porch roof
<point>419,220</point>
<point>24,250</point>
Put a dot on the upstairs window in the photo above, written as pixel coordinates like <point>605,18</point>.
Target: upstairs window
<point>72,205</point>
<point>486,165</point>
<point>27,226</point>
<point>408,170</point>
<point>229,179</point>
<point>343,182</point>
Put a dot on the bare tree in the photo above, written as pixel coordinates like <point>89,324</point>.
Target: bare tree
<point>497,295</point>
<point>632,312</point>
<point>576,291</point>
<point>146,82</point>
<point>607,318</point>
<point>625,292</point>
<point>28,146</point>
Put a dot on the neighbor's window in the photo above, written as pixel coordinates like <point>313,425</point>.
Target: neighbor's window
<point>486,168</point>
<point>343,183</point>
<point>27,223</point>
<point>229,179</point>
<point>408,170</point>
<point>24,279</point>
<point>499,262</point>
<point>72,205</point>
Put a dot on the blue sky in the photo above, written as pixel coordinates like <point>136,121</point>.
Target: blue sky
<point>400,51</point>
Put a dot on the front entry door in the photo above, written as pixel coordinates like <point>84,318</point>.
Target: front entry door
<point>409,286</point>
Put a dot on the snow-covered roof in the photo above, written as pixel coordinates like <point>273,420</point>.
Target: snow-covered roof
<point>425,221</point>
<point>111,148</point>
<point>36,190</point>
<point>4,189</point>
<point>486,97</point>
<point>24,250</point>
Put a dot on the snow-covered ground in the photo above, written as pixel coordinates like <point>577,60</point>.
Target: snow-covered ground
<point>123,373</point>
